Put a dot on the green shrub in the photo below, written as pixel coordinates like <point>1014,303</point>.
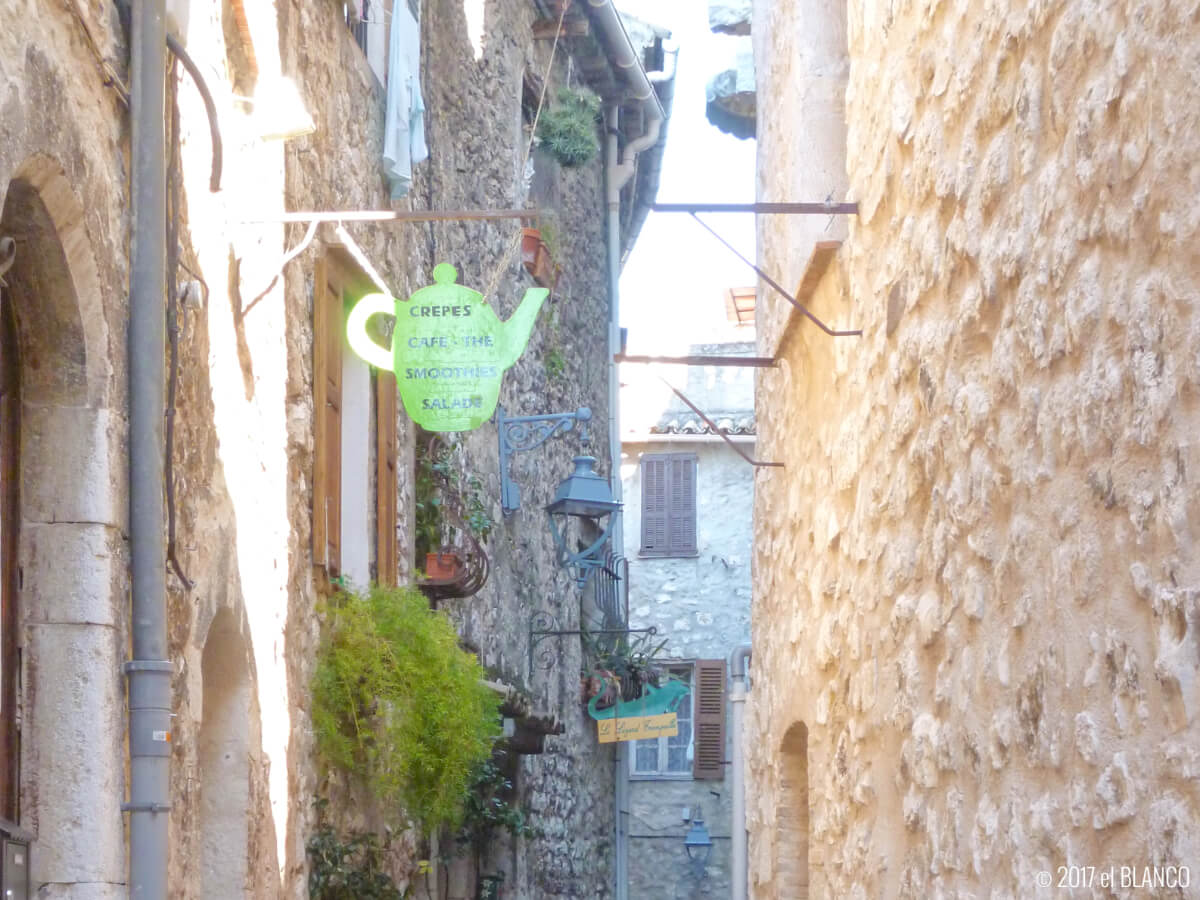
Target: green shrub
<point>350,869</point>
<point>398,704</point>
<point>568,128</point>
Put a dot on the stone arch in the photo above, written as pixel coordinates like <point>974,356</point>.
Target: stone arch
<point>224,750</point>
<point>71,551</point>
<point>791,817</point>
<point>64,334</point>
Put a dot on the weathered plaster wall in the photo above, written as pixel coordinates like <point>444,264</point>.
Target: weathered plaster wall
<point>975,581</point>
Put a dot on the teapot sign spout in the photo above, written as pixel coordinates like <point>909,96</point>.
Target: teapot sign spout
<point>449,351</point>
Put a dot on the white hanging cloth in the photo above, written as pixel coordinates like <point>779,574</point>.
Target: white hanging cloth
<point>404,123</point>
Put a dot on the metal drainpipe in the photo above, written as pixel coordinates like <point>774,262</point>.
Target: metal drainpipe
<point>149,672</point>
<point>613,221</point>
<point>737,700</point>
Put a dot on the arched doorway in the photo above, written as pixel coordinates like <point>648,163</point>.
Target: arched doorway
<point>224,758</point>
<point>791,817</point>
<point>62,544</point>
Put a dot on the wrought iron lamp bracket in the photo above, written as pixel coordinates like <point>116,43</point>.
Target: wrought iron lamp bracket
<point>519,433</point>
<point>542,625</point>
<point>582,562</point>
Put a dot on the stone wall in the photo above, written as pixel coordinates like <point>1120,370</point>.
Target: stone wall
<point>975,582</point>
<point>701,606</point>
<point>244,634</point>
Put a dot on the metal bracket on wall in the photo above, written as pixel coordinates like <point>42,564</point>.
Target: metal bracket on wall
<point>542,625</point>
<point>826,208</point>
<point>520,433</point>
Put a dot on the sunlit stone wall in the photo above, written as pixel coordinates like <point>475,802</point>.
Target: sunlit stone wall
<point>976,581</point>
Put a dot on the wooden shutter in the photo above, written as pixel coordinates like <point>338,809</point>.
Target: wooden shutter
<point>681,517</point>
<point>654,504</point>
<point>386,551</point>
<point>669,504</point>
<point>708,755</point>
<point>327,418</point>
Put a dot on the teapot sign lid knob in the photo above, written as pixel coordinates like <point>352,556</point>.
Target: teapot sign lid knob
<point>444,273</point>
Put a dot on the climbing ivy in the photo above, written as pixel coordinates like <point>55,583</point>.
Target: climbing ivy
<point>398,704</point>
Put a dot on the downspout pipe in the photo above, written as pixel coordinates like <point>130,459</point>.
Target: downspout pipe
<point>619,168</point>
<point>619,49</point>
<point>738,661</point>
<point>148,671</point>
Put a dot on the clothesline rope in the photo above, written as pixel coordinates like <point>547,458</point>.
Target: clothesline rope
<point>515,241</point>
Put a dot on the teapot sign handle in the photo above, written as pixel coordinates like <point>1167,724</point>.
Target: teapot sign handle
<point>356,329</point>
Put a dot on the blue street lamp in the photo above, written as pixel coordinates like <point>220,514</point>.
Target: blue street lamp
<point>697,843</point>
<point>583,495</point>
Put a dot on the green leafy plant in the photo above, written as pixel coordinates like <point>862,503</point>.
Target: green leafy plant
<point>439,486</point>
<point>555,363</point>
<point>349,868</point>
<point>397,703</point>
<point>489,806</point>
<point>568,128</point>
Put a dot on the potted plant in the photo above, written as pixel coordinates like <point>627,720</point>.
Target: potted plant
<point>568,129</point>
<point>535,255</point>
<point>624,670</point>
<point>443,565</point>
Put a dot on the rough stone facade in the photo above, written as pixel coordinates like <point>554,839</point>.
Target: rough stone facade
<point>244,635</point>
<point>975,583</point>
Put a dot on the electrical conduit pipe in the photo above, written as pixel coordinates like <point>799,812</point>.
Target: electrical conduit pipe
<point>738,661</point>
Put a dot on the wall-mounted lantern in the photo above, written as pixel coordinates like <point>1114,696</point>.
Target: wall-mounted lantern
<point>697,843</point>
<point>585,497</point>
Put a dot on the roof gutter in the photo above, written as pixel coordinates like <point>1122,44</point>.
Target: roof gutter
<point>613,37</point>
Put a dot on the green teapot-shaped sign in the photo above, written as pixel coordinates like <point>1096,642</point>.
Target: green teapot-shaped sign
<point>449,350</point>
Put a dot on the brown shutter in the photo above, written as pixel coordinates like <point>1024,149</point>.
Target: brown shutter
<point>327,419</point>
<point>681,520</point>
<point>654,504</point>
<point>708,756</point>
<point>386,553</point>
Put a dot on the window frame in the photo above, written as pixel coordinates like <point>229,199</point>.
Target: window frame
<point>679,512</point>
<point>661,773</point>
<point>337,280</point>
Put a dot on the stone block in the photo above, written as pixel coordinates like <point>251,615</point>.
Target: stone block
<point>73,762</point>
<point>72,573</point>
<point>73,470</point>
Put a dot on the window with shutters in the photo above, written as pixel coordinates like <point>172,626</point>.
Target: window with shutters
<point>668,505</point>
<point>698,750</point>
<point>344,515</point>
<point>668,756</point>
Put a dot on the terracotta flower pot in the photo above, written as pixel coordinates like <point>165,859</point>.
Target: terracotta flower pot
<point>442,566</point>
<point>531,241</point>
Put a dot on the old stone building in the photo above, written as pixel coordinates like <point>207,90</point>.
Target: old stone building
<point>688,539</point>
<point>975,584</point>
<point>290,465</point>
